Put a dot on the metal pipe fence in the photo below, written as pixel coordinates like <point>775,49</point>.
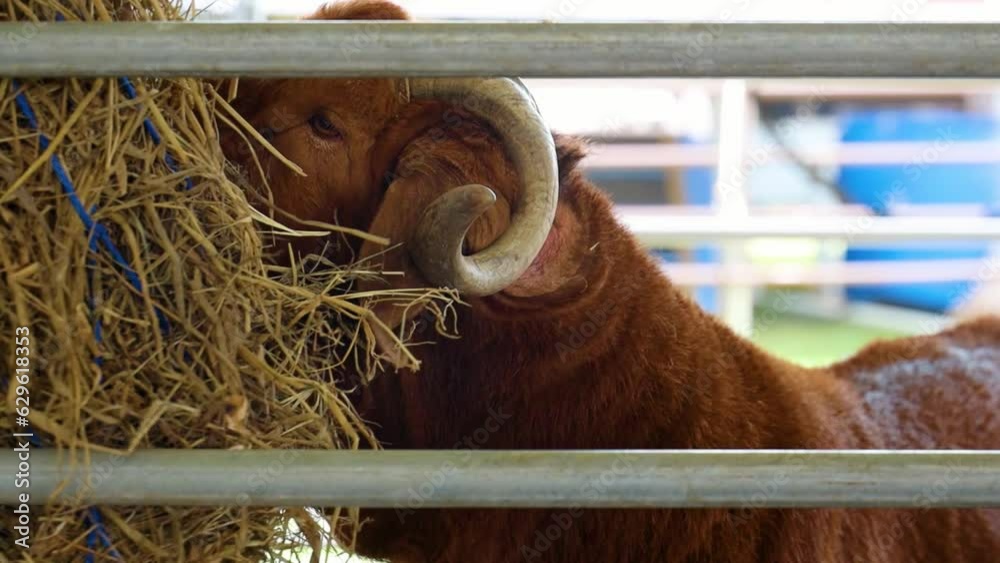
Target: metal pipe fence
<point>870,272</point>
<point>376,48</point>
<point>662,155</point>
<point>463,478</point>
<point>660,232</point>
<point>423,479</point>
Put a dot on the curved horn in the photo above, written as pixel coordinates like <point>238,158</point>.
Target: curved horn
<point>437,245</point>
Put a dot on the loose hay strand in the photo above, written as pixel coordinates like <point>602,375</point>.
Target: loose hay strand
<point>256,135</point>
<point>54,143</point>
<point>256,355</point>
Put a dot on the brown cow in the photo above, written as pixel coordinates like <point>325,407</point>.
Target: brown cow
<point>584,344</point>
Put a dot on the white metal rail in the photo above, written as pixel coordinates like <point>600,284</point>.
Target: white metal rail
<point>874,272</point>
<point>662,232</point>
<point>662,155</point>
<point>770,89</point>
<point>374,48</point>
<point>424,479</point>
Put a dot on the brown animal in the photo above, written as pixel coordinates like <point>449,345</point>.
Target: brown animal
<point>583,344</point>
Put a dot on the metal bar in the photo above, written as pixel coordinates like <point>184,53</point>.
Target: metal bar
<point>662,155</point>
<point>737,118</point>
<point>660,232</point>
<point>423,479</point>
<point>874,272</point>
<point>376,48</point>
<point>787,90</point>
<point>780,211</point>
<point>871,90</point>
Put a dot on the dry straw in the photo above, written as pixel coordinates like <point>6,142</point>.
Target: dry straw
<point>201,343</point>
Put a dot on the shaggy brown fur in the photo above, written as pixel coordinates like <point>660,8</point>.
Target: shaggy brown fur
<point>594,349</point>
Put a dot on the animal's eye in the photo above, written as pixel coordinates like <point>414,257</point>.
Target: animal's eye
<point>322,126</point>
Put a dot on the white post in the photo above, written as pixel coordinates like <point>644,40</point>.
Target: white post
<point>730,197</point>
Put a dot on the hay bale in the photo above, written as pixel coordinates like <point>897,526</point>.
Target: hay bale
<point>189,338</point>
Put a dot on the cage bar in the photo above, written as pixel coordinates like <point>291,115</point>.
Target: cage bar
<point>465,478</point>
<point>663,231</point>
<point>377,48</point>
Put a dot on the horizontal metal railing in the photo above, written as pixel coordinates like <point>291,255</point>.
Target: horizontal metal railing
<point>902,153</point>
<point>869,272</point>
<point>968,50</point>
<point>423,479</point>
<point>659,231</point>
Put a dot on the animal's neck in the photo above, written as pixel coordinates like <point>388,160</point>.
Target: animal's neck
<point>663,374</point>
<point>634,365</point>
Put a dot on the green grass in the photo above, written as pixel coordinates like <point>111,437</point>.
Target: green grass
<point>816,342</point>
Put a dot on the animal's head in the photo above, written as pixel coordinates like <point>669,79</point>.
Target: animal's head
<point>389,156</point>
<point>331,129</point>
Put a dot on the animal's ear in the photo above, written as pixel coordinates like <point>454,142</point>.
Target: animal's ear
<point>360,10</point>
<point>569,152</point>
<point>562,269</point>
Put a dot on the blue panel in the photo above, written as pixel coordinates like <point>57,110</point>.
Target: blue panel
<point>920,181</point>
<point>698,183</point>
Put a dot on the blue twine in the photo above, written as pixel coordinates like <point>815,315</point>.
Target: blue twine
<point>91,543</point>
<point>92,301</point>
<point>98,230</point>
<point>99,237</point>
<point>147,124</point>
<point>98,532</point>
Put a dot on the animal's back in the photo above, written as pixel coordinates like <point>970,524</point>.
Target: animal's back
<point>932,392</point>
<point>936,392</point>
